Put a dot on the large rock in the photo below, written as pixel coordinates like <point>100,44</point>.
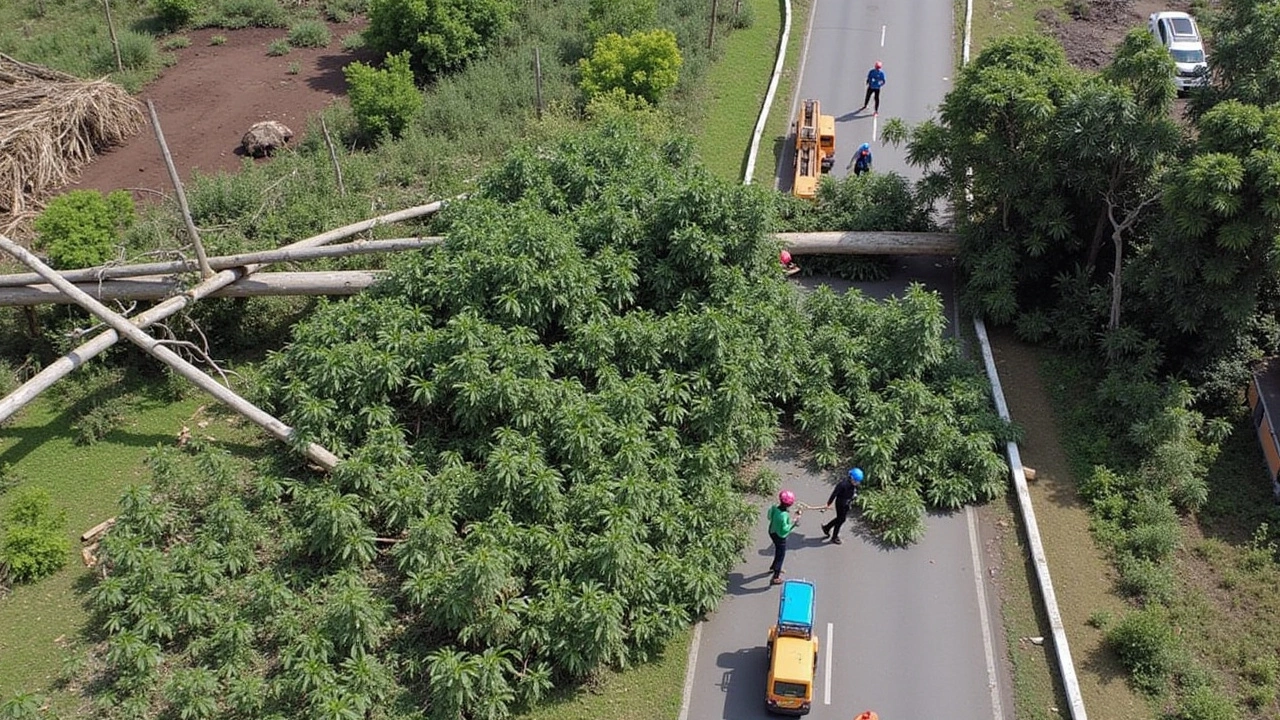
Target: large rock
<point>265,137</point>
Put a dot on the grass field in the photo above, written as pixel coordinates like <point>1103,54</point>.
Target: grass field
<point>775,131</point>
<point>996,18</point>
<point>735,90</point>
<point>40,624</point>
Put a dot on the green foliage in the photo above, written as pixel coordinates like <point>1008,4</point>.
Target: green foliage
<point>309,34</point>
<point>24,706</point>
<point>235,14</point>
<point>177,42</point>
<point>1145,643</point>
<point>96,422</point>
<point>439,35</point>
<point>645,64</point>
<point>137,53</point>
<point>218,40</point>
<point>352,42</point>
<point>897,511</point>
<point>384,100</point>
<point>82,227</point>
<point>621,17</point>
<point>34,542</point>
<point>175,13</point>
<point>278,48</point>
<point>874,201</point>
<point>1206,703</point>
<point>1243,62</point>
<point>341,11</point>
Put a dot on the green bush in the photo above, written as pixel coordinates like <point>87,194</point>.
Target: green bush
<point>384,101</point>
<point>177,42</point>
<point>1145,644</point>
<point>175,13</point>
<point>218,40</point>
<point>1206,703</point>
<point>645,64</point>
<point>1260,675</point>
<point>137,52</point>
<point>1146,579</point>
<point>439,35</point>
<point>9,478</point>
<point>897,512</point>
<point>309,34</point>
<point>352,41</point>
<point>620,16</point>
<point>277,48</point>
<point>34,543</point>
<point>341,11</point>
<point>81,228</point>
<point>97,422</point>
<point>1154,541</point>
<point>234,14</point>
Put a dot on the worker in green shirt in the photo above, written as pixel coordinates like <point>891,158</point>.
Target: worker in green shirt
<point>780,526</point>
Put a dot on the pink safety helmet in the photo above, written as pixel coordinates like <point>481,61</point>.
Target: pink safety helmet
<point>879,64</point>
<point>784,257</point>
<point>786,497</point>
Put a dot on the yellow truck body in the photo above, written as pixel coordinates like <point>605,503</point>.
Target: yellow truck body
<point>815,135</point>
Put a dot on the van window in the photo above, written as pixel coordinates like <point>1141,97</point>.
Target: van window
<point>1188,56</point>
<point>1164,38</point>
<point>781,688</point>
<point>1182,26</point>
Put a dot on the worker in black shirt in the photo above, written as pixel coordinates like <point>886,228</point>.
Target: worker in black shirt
<point>841,498</point>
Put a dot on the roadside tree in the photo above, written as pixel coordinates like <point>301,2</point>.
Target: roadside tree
<point>645,64</point>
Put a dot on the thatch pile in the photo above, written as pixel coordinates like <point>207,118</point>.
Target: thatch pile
<point>51,124</point>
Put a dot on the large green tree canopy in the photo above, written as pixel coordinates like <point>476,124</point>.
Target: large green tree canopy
<point>543,421</point>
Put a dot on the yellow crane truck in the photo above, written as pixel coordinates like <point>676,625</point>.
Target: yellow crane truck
<point>815,148</point>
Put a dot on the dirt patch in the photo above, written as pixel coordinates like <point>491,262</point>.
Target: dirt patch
<point>1090,30</point>
<point>1083,578</point>
<point>213,94</point>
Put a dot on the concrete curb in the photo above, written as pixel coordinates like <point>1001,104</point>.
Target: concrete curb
<point>768,96</point>
<point>1066,667</point>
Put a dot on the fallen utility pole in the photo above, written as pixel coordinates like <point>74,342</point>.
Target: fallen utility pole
<point>63,366</point>
<point>161,352</point>
<point>289,253</point>
<point>336,282</point>
<point>183,208</point>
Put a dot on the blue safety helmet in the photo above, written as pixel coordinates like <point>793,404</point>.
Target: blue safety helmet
<point>856,475</point>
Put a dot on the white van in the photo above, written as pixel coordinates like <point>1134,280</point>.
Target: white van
<point>1177,32</point>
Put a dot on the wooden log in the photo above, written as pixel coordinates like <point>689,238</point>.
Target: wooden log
<point>96,530</point>
<point>89,555</point>
<point>161,352</point>
<point>337,282</point>
<point>870,243</point>
<point>224,262</point>
<point>64,365</point>
<point>205,270</point>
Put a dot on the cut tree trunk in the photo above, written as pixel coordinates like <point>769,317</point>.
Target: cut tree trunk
<point>870,243</point>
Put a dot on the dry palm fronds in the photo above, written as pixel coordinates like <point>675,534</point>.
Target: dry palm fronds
<point>51,124</point>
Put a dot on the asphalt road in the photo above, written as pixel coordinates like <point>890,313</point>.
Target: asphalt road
<point>913,38</point>
<point>913,633</point>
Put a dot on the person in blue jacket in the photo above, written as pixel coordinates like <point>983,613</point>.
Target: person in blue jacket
<point>862,159</point>
<point>875,81</point>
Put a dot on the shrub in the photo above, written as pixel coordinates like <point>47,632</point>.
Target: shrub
<point>1260,675</point>
<point>137,52</point>
<point>175,13</point>
<point>1155,541</point>
<point>9,478</point>
<point>294,68</point>
<point>1144,578</point>
<point>620,16</point>
<point>1206,703</point>
<point>340,11</point>
<point>81,228</point>
<point>763,481</point>
<point>898,513</point>
<point>644,64</point>
<point>233,14</point>
<point>352,41</point>
<point>218,40</point>
<point>384,101</point>
<point>1145,644</point>
<point>439,35</point>
<point>99,421</point>
<point>309,33</point>
<point>34,544</point>
<point>277,48</point>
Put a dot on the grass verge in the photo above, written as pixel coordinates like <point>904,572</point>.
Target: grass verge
<point>775,129</point>
<point>998,18</point>
<point>644,692</point>
<point>41,623</point>
<point>735,90</point>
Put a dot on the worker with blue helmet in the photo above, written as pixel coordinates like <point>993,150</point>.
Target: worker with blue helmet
<point>841,499</point>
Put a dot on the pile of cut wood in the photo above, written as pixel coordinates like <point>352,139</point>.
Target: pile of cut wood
<point>51,124</point>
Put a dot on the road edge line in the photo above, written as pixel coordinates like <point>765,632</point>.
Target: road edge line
<point>689,671</point>
<point>993,682</point>
<point>1066,668</point>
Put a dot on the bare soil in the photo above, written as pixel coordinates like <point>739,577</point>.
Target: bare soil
<point>1091,33</point>
<point>213,94</point>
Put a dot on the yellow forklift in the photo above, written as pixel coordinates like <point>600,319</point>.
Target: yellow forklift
<point>815,148</point>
